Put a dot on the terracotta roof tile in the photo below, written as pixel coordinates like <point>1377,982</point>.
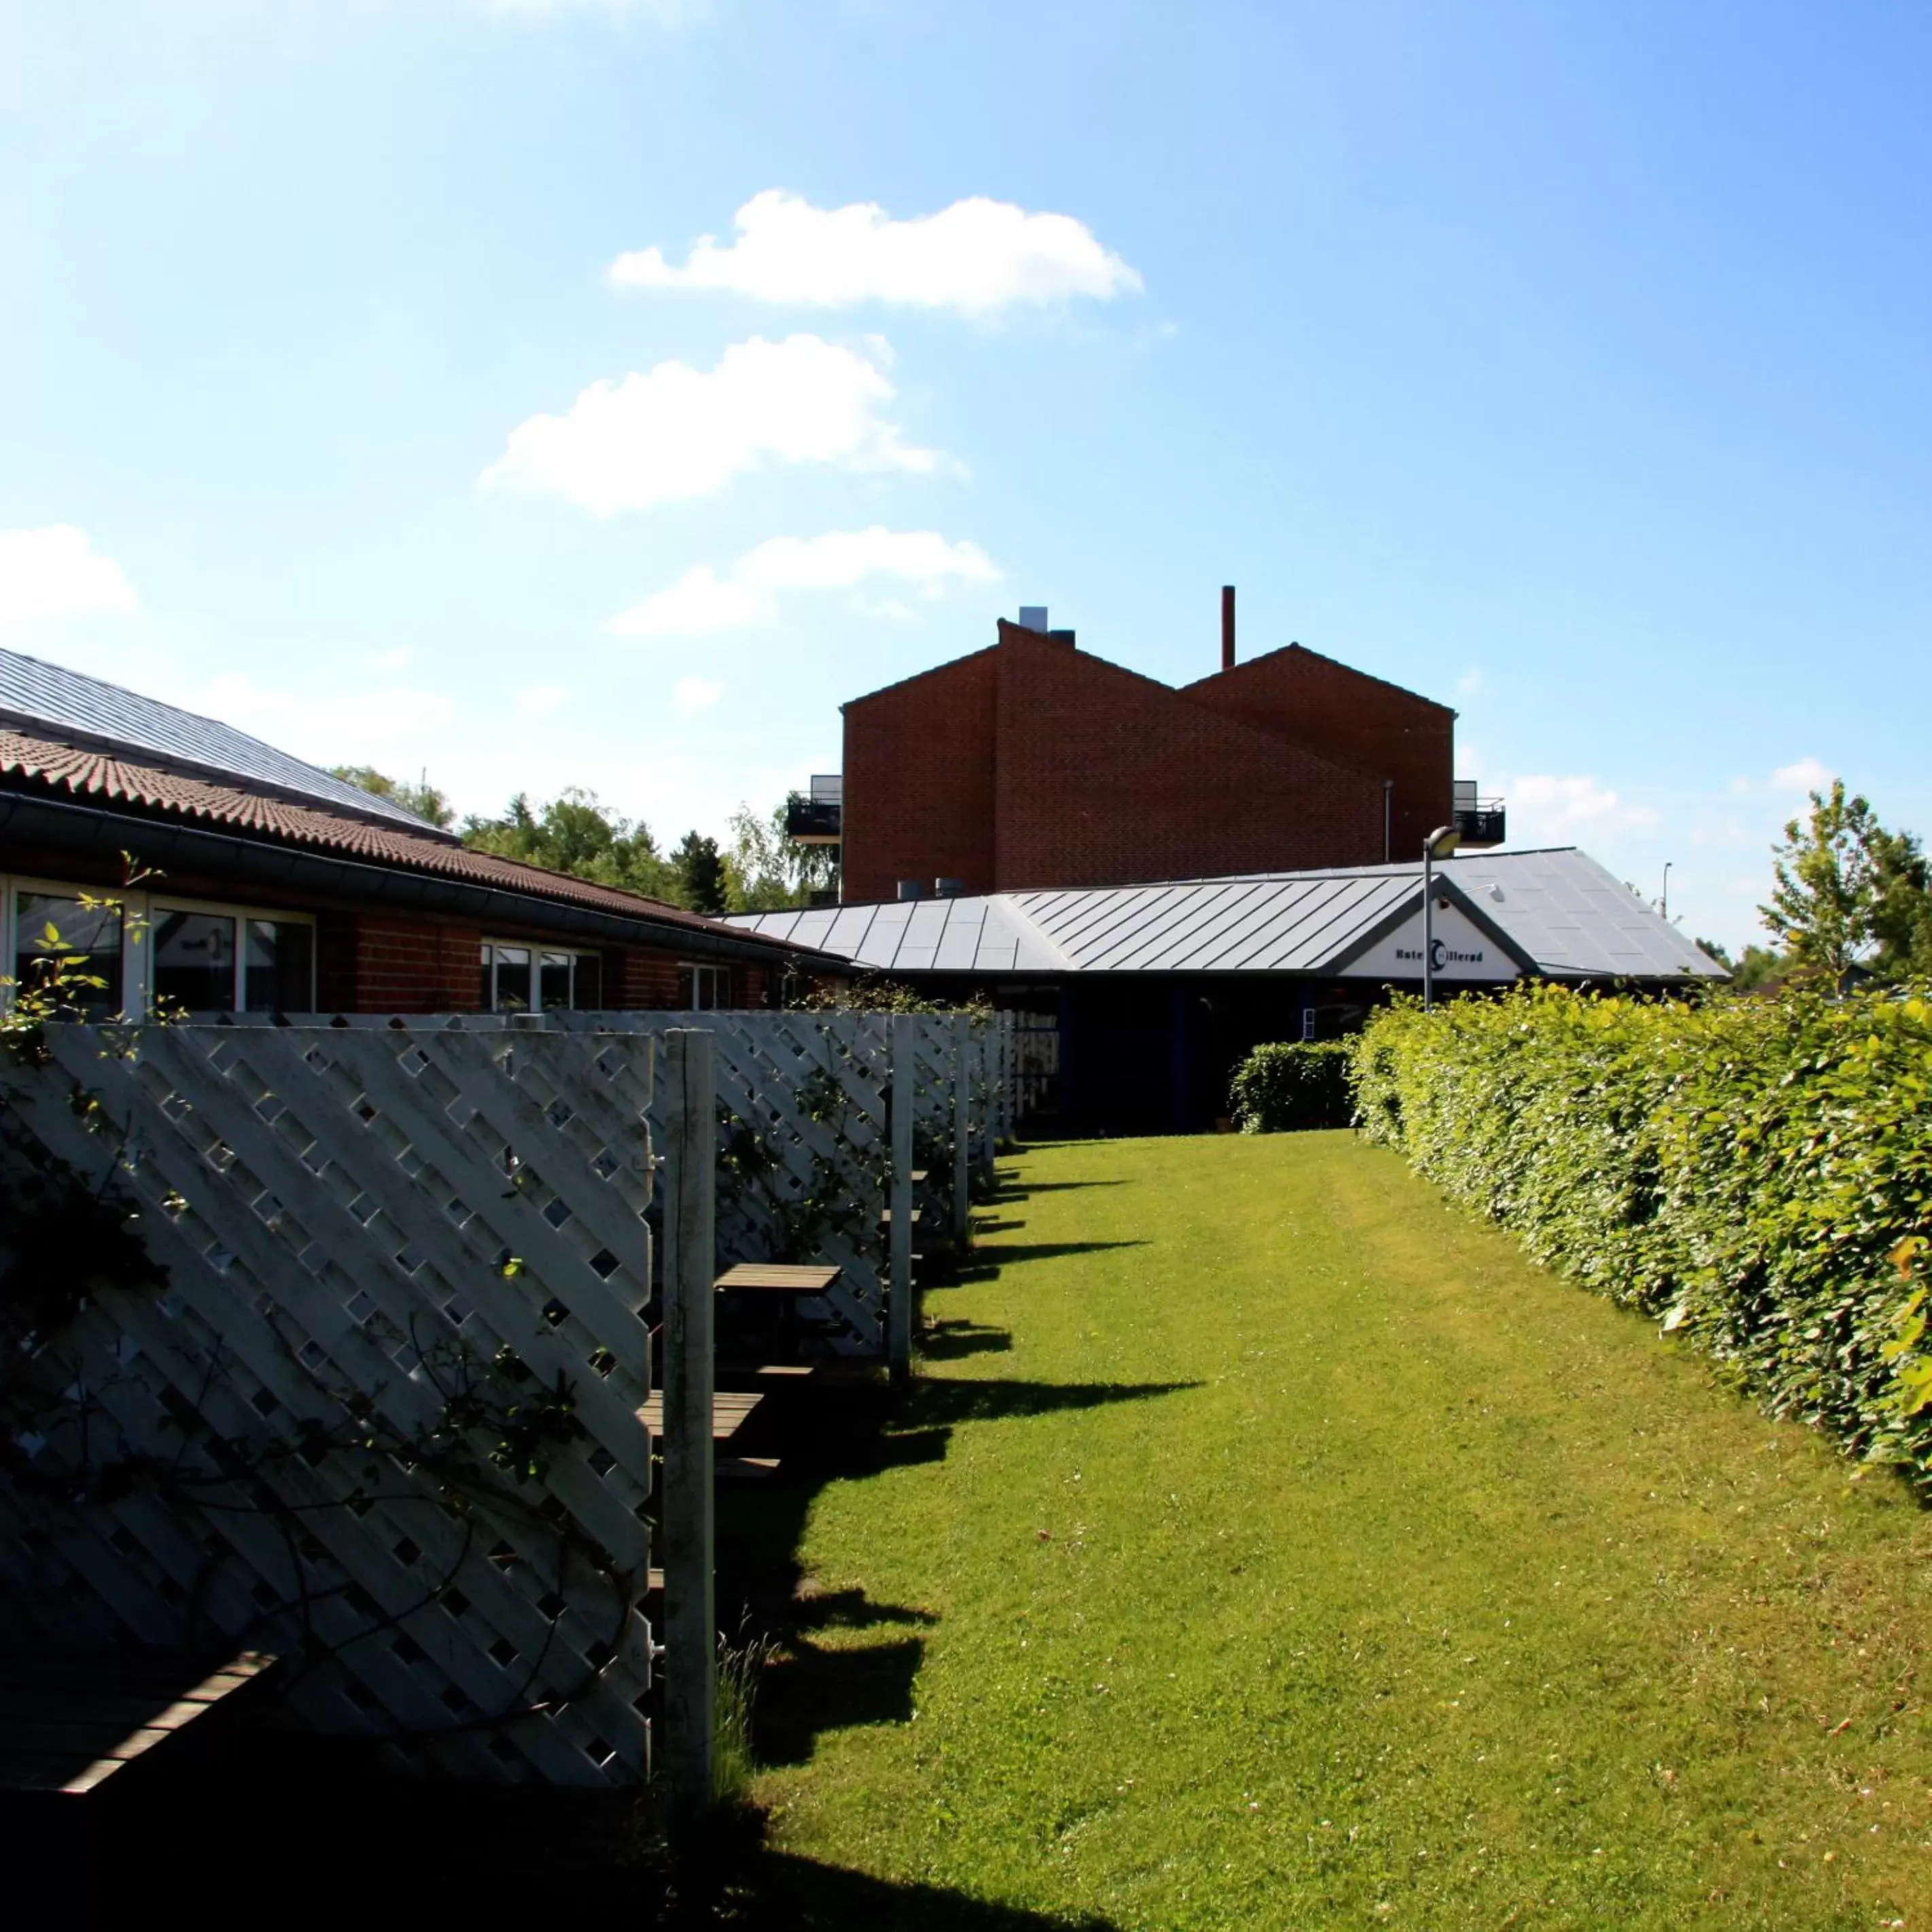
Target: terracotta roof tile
<point>95,774</point>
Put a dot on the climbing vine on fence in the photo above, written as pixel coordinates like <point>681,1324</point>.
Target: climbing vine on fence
<point>1756,1175</point>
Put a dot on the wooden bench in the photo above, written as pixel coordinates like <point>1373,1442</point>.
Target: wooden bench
<point>729,1413</point>
<point>70,1719</point>
<point>777,1278</point>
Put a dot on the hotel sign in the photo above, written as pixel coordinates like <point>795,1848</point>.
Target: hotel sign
<point>1463,952</point>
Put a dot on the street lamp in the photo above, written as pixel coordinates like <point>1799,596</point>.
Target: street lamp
<point>1438,845</point>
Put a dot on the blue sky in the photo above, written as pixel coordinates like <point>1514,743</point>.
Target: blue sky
<point>1566,363</point>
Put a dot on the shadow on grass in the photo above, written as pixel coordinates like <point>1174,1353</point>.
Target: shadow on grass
<point>815,1687</point>
<point>948,1341</point>
<point>992,1399</point>
<point>852,1434</point>
<point>984,1261</point>
<point>1010,1189</point>
<point>777,1893</point>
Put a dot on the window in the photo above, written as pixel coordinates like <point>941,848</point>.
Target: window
<point>56,933</point>
<point>513,979</point>
<point>523,979</point>
<point>278,974</point>
<point>194,961</point>
<point>202,957</point>
<point>706,987</point>
<point>214,959</point>
<point>587,985</point>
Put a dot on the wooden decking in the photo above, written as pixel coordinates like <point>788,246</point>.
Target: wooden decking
<point>69,1719</point>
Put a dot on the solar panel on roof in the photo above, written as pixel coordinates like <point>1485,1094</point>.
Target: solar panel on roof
<point>63,701</point>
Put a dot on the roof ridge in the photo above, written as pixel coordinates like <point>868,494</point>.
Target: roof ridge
<point>1354,670</point>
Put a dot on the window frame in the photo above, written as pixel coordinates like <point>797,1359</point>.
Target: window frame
<point>718,977</point>
<point>139,911</point>
<point>537,949</point>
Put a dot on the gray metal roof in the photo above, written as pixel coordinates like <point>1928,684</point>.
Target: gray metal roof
<point>1557,913</point>
<point>105,717</point>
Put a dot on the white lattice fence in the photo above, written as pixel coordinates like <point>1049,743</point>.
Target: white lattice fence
<point>809,1089</point>
<point>290,1445</point>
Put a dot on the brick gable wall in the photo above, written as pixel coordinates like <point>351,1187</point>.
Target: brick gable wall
<point>919,761</point>
<point>1035,763</point>
<point>1300,694</point>
<point>1105,777</point>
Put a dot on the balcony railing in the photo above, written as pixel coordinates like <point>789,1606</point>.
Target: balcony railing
<point>1480,823</point>
<point>816,820</point>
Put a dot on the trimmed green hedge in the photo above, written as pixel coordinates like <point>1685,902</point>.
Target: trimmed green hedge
<point>1755,1174</point>
<point>1288,1085</point>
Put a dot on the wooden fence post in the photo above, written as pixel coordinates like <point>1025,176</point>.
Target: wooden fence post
<point>962,1129</point>
<point>689,1528</point>
<point>905,1087</point>
<point>987,1076</point>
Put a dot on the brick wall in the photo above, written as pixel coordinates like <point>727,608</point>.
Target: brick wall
<point>919,781</point>
<point>647,980</point>
<point>1330,707</point>
<point>370,962</point>
<point>1035,763</point>
<point>1105,777</point>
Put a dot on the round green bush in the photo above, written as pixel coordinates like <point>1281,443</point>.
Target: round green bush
<point>1288,1086</point>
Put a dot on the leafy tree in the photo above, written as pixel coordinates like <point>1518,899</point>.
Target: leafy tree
<point>1901,915</point>
<point>423,798</point>
<point>767,870</point>
<point>1850,895</point>
<point>574,833</point>
<point>1716,953</point>
<point>1825,891</point>
<point>1759,971</point>
<point>700,874</point>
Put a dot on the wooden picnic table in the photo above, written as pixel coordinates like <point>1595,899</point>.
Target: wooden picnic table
<point>794,1281</point>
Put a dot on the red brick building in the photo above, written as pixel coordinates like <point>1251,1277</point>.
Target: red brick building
<point>1034,764</point>
<point>263,884</point>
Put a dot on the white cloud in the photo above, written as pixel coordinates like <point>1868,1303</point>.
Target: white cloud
<point>840,559</point>
<point>1806,775</point>
<point>697,603</point>
<point>700,602</point>
<point>540,700</point>
<point>680,432</point>
<point>333,730</point>
<point>54,572</point>
<point>976,256</point>
<point>388,662</point>
<point>1472,684</point>
<point>694,694</point>
<point>1555,807</point>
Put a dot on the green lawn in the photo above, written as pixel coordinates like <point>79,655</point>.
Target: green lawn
<point>1266,1547</point>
